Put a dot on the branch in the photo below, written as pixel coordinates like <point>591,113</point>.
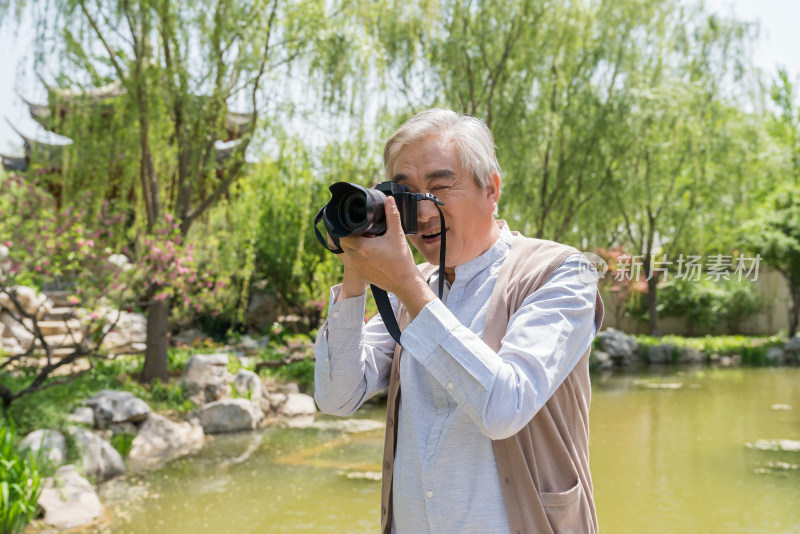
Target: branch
<point>111,55</point>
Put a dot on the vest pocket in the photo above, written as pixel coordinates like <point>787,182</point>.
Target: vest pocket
<point>568,511</point>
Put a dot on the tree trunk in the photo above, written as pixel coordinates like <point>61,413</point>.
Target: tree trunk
<point>652,305</point>
<point>155,356</point>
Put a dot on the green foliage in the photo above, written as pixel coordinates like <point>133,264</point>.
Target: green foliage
<point>49,408</point>
<point>708,304</point>
<point>20,485</point>
<point>285,197</point>
<point>122,442</point>
<point>301,372</point>
<point>775,235</point>
<point>752,350</point>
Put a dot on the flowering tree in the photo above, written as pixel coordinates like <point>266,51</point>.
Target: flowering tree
<point>70,249</point>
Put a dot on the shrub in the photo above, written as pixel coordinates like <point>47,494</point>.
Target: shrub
<point>709,304</point>
<point>20,485</point>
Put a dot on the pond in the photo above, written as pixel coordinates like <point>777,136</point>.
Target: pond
<point>672,451</point>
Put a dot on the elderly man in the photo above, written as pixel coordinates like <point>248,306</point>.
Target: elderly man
<point>491,431</point>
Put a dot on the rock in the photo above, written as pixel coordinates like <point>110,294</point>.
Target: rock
<point>18,331</point>
<point>69,500</point>
<point>774,355</point>
<point>31,302</point>
<point>49,443</point>
<point>123,428</point>
<point>250,386</point>
<point>660,354</point>
<point>206,378</point>
<point>619,346</point>
<point>262,311</point>
<point>276,400</point>
<point>11,346</point>
<point>230,415</point>
<point>161,440</point>
<point>82,415</point>
<point>298,404</point>
<point>188,337</point>
<point>99,458</point>
<point>791,351</point>
<point>602,358</point>
<point>130,329</point>
<point>690,355</point>
<point>115,406</point>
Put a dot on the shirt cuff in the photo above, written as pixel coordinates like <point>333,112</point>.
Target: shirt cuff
<point>347,313</point>
<point>428,330</point>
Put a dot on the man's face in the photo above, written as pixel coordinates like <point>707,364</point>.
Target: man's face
<point>433,166</point>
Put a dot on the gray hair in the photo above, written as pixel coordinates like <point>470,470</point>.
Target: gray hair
<point>471,136</point>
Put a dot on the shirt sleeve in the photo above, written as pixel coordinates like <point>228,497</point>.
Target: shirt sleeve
<point>545,339</point>
<point>353,360</point>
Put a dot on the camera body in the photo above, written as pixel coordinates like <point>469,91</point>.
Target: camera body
<point>355,210</point>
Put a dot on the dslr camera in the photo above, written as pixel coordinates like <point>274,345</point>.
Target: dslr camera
<point>355,210</point>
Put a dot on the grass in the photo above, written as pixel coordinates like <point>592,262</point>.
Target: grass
<point>20,485</point>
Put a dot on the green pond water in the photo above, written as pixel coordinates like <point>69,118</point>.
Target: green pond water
<point>672,451</point>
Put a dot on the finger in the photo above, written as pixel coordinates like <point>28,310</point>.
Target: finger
<point>393,224</point>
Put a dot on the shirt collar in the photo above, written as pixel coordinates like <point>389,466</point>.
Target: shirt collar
<point>496,252</point>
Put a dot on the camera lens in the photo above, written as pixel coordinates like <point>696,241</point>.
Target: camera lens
<point>354,210</point>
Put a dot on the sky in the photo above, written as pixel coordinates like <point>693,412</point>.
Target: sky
<point>778,46</point>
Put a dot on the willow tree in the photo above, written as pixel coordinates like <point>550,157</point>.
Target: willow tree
<point>679,112</point>
<point>192,74</point>
<point>548,78</point>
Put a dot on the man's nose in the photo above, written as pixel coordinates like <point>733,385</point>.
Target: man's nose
<point>426,211</point>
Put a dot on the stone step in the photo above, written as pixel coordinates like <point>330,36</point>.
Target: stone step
<point>62,340</point>
<point>59,313</point>
<point>60,328</point>
<point>61,352</point>
<point>59,298</point>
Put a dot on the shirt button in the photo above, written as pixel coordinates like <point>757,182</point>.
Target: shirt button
<point>450,386</point>
<point>335,315</point>
<point>429,494</point>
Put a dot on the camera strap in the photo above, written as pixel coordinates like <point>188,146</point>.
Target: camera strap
<point>382,298</point>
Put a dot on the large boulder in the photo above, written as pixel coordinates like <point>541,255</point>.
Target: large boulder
<point>161,440</point>
<point>620,347</point>
<point>69,500</point>
<point>298,404</point>
<point>249,385</point>
<point>129,333</point>
<point>262,311</point>
<point>22,333</point>
<point>206,378</point>
<point>114,407</point>
<point>660,354</point>
<point>230,415</point>
<point>48,444</point>
<point>98,457</point>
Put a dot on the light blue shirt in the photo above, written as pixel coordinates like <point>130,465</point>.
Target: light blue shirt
<point>458,394</point>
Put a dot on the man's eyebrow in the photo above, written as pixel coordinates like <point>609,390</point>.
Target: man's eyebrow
<point>441,173</point>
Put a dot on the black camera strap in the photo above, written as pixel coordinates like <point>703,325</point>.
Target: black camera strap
<point>382,298</point>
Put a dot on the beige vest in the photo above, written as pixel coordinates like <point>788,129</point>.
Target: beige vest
<point>544,468</point>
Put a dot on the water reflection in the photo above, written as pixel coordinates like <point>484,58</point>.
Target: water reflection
<point>669,454</point>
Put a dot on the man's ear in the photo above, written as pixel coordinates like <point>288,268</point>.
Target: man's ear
<point>493,188</point>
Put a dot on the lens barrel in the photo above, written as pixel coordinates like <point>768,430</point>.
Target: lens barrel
<point>354,210</point>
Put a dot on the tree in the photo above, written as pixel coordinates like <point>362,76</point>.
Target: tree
<point>677,112</point>
<point>775,235</point>
<point>180,65</point>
